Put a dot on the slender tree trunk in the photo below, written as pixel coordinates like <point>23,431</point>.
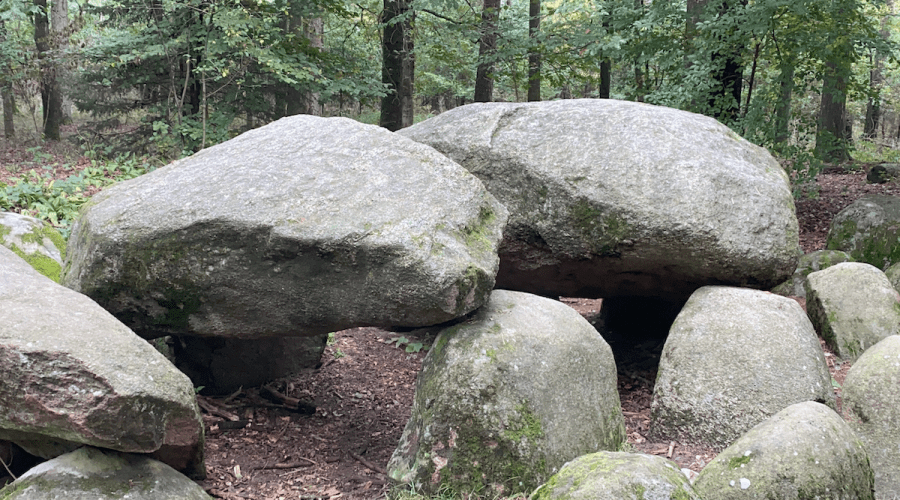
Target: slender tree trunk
<point>534,54</point>
<point>783,108</point>
<point>876,80</point>
<point>397,65</point>
<point>832,139</point>
<point>59,26</point>
<point>484,78</point>
<point>605,78</point>
<point>51,99</point>
<point>314,30</point>
<point>9,103</point>
<point>873,102</point>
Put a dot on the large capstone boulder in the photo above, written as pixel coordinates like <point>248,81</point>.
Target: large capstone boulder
<point>610,475</point>
<point>872,405</point>
<point>869,230</point>
<point>72,374</point>
<point>853,306</point>
<point>733,358</point>
<point>612,198</point>
<point>35,241</point>
<point>302,227</point>
<point>803,452</point>
<point>507,397</point>
<point>810,263</point>
<point>92,474</point>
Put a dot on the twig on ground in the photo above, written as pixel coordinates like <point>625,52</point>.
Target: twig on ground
<point>7,469</point>
<point>367,463</point>
<point>671,449</point>
<point>290,465</point>
<point>213,409</point>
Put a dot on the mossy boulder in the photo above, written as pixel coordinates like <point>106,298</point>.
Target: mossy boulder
<point>93,474</point>
<point>810,263</point>
<point>872,406</point>
<point>869,230</point>
<point>302,227</point>
<point>893,275</point>
<point>725,365</point>
<point>610,198</point>
<point>71,374</point>
<point>803,452</point>
<point>853,306</point>
<point>617,476</point>
<point>508,396</point>
<point>37,242</point>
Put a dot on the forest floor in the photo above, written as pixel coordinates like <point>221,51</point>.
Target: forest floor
<point>363,389</point>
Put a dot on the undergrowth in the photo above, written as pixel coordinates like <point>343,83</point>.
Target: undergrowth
<point>58,201</point>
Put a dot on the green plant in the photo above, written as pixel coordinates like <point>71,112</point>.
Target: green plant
<point>410,346</point>
<point>338,354</point>
<point>331,339</point>
<point>58,201</point>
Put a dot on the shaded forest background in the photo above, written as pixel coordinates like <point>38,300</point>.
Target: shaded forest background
<point>813,80</point>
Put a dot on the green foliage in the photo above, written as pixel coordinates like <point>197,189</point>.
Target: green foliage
<point>410,346</point>
<point>198,71</point>
<point>59,201</point>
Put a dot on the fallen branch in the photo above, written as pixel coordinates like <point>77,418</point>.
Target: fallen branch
<point>671,449</point>
<point>292,403</point>
<point>368,464</point>
<point>218,411</point>
<point>290,465</point>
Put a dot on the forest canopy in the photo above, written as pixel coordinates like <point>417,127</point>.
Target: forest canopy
<point>805,78</point>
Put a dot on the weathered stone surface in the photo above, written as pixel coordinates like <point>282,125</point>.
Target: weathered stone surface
<point>92,474</point>
<point>884,172</point>
<point>507,397</point>
<point>35,241</point>
<point>893,275</point>
<point>74,374</point>
<point>853,306</point>
<point>222,366</point>
<point>869,230</point>
<point>611,198</point>
<point>617,476</point>
<point>810,263</point>
<point>302,227</point>
<point>803,452</point>
<point>726,362</point>
<point>872,405</point>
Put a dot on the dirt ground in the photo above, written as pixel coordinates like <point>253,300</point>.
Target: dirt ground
<point>264,447</point>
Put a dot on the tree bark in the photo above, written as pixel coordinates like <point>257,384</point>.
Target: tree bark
<point>832,138</point>
<point>51,98</point>
<point>876,81</point>
<point>534,54</point>
<point>484,78</point>
<point>6,93</point>
<point>397,66</point>
<point>783,108</point>
<point>59,27</point>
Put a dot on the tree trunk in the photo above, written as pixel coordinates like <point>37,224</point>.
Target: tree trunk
<point>832,140</point>
<point>534,54</point>
<point>51,98</point>
<point>605,78</point>
<point>873,103</point>
<point>397,65</point>
<point>724,99</point>
<point>6,93</point>
<point>484,78</point>
<point>314,30</point>
<point>59,26</point>
<point>876,81</point>
<point>783,108</point>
